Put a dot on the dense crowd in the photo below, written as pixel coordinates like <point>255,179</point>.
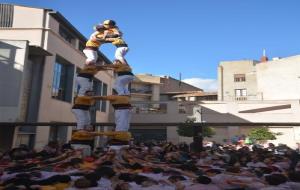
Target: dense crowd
<point>152,166</point>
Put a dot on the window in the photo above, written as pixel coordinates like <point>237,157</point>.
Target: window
<point>141,88</point>
<point>239,78</point>
<point>62,84</point>
<point>58,133</point>
<point>97,86</point>
<point>104,93</point>
<point>241,94</point>
<point>100,89</point>
<point>81,46</point>
<point>63,32</point>
<point>6,15</point>
<point>76,85</point>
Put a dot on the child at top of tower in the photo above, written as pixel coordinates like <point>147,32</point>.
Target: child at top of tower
<point>114,35</point>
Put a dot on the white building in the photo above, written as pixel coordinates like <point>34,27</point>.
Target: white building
<point>253,91</point>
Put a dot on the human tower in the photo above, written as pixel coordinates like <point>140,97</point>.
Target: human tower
<point>106,32</point>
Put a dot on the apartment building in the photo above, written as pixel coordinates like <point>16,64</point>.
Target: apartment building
<point>154,100</point>
<point>40,53</point>
<point>257,91</point>
<point>276,79</point>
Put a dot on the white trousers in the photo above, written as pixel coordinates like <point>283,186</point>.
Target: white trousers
<point>121,52</point>
<point>91,55</point>
<point>122,119</point>
<point>85,84</point>
<point>83,118</point>
<point>121,84</point>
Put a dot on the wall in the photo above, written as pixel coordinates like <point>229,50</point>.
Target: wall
<point>13,56</point>
<point>258,111</point>
<point>279,79</point>
<point>227,86</point>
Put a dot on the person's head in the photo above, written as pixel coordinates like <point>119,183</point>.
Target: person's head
<point>275,179</point>
<point>105,171</point>
<point>294,176</point>
<point>122,186</point>
<point>176,178</point>
<point>109,23</point>
<point>203,179</point>
<point>83,183</point>
<point>233,169</point>
<point>93,176</point>
<point>99,28</point>
<point>18,154</point>
<point>212,172</point>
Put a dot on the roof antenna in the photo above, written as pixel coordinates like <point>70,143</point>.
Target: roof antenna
<point>264,58</point>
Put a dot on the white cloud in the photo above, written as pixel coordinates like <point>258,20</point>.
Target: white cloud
<point>208,85</point>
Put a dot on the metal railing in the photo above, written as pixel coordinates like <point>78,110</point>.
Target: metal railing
<point>197,138</point>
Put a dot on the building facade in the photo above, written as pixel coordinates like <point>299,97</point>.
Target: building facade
<point>40,53</point>
<point>154,100</point>
<point>253,91</point>
<point>276,79</point>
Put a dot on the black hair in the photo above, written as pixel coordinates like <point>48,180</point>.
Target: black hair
<point>176,178</point>
<point>93,176</point>
<point>157,170</point>
<point>189,166</point>
<point>136,166</point>
<point>203,180</point>
<point>275,179</point>
<point>216,171</point>
<point>105,171</point>
<point>139,179</point>
<point>126,177</point>
<point>83,183</point>
<point>75,161</point>
<point>294,176</point>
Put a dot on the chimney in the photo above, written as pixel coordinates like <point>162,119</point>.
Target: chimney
<point>264,58</point>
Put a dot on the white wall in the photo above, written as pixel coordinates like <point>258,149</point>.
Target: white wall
<point>223,112</point>
<point>279,79</point>
<point>13,56</point>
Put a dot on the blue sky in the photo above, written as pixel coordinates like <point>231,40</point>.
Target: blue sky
<point>167,37</point>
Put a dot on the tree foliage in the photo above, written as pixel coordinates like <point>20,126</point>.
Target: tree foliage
<point>262,134</point>
<point>188,131</point>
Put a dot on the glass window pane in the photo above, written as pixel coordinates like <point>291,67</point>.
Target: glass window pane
<point>62,84</point>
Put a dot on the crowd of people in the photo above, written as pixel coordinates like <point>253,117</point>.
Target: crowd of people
<point>152,166</point>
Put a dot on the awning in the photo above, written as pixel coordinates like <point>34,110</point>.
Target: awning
<point>36,50</point>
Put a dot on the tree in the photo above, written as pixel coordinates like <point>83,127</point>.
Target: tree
<point>262,134</point>
<point>188,131</point>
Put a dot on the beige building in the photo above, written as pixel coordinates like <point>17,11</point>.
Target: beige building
<point>237,80</point>
<point>277,79</point>
<point>154,100</point>
<point>252,91</point>
<point>40,52</point>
